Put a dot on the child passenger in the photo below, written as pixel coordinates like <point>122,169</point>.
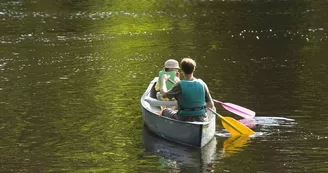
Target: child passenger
<point>171,67</point>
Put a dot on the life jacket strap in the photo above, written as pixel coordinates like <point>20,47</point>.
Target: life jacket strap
<point>193,109</point>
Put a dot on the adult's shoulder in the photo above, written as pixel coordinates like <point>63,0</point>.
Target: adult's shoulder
<point>201,81</point>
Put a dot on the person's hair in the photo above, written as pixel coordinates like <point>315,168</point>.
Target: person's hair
<point>188,65</point>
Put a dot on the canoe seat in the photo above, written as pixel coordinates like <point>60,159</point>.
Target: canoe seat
<point>155,102</point>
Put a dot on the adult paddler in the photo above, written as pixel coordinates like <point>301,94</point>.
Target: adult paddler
<point>192,95</point>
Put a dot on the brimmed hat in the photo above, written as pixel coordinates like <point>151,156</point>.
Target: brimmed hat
<point>171,63</point>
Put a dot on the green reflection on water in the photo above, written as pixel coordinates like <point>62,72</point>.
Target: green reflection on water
<point>66,110</point>
<point>74,72</point>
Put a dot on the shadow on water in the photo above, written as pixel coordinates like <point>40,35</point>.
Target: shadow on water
<point>179,157</point>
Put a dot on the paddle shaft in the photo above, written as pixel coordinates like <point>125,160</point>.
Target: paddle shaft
<point>227,122</point>
<point>241,111</point>
<point>170,80</point>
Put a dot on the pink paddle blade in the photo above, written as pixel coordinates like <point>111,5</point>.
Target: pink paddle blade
<point>251,123</point>
<point>238,110</point>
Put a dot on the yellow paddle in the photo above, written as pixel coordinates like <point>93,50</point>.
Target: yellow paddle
<point>233,126</point>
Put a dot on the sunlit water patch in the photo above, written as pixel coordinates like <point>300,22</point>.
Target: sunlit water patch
<point>275,121</point>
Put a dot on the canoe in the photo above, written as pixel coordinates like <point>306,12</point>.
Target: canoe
<point>196,134</point>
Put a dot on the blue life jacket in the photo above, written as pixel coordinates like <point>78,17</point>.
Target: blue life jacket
<point>193,98</point>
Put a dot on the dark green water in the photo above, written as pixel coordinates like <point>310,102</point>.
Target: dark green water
<point>72,74</point>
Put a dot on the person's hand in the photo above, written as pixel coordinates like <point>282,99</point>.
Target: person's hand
<point>165,77</point>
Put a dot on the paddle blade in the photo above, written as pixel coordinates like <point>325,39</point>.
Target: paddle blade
<point>235,127</point>
<point>238,110</point>
<point>251,123</point>
<point>233,144</point>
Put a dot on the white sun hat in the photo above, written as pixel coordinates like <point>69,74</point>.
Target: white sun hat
<point>171,63</point>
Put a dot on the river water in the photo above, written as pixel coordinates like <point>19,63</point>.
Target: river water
<point>72,74</point>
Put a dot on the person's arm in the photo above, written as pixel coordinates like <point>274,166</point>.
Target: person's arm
<point>208,98</point>
<point>176,79</point>
<point>163,91</point>
<point>173,92</point>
